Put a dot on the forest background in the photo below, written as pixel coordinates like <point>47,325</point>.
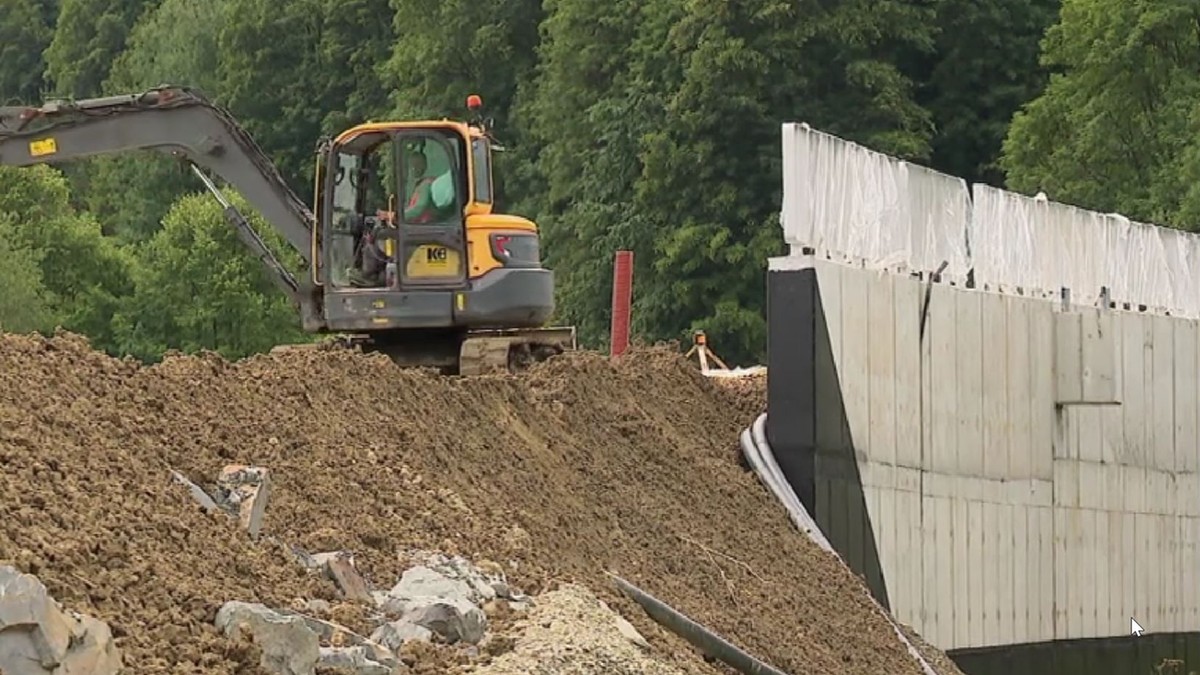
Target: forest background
<point>651,125</point>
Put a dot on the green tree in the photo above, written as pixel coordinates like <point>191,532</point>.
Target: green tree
<point>444,51</point>
<point>1116,128</point>
<point>24,35</point>
<point>84,274</point>
<point>984,68</point>
<point>196,287</point>
<point>292,72</point>
<point>25,304</point>
<point>657,128</point>
<point>88,37</point>
<point>174,43</point>
<point>581,122</point>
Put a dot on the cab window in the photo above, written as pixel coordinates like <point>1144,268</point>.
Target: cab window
<point>482,159</point>
<point>357,187</point>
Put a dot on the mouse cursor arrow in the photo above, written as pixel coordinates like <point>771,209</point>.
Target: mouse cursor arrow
<point>1135,627</point>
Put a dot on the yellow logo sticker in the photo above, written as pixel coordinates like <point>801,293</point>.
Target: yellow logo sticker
<point>432,260</point>
<point>43,147</point>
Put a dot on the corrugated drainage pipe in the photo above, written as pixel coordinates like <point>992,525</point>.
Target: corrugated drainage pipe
<point>758,453</point>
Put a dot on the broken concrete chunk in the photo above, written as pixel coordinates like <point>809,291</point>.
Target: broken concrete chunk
<point>93,651</point>
<point>485,578</point>
<point>340,568</point>
<point>318,606</point>
<point>360,660</point>
<point>394,634</point>
<point>423,582</point>
<point>245,491</point>
<point>27,608</point>
<point>38,638</point>
<point>330,634</point>
<point>289,646</point>
<point>625,628</point>
<point>452,619</point>
<point>429,599</point>
<point>206,502</point>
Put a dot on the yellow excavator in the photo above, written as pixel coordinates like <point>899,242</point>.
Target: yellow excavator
<point>404,254</point>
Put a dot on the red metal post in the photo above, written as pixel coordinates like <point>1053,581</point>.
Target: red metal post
<point>622,298</point>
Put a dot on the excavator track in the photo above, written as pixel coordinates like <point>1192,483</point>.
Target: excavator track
<point>480,352</point>
<point>512,350</point>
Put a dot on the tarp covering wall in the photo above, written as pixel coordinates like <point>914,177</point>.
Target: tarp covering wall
<point>852,204</point>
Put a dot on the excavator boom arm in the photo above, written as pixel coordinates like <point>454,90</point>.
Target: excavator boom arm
<point>173,120</point>
<point>180,122</point>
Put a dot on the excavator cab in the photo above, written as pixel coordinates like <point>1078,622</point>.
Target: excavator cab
<point>404,253</point>
<point>394,201</point>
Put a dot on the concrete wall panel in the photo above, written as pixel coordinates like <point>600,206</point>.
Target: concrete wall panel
<point>856,356</point>
<point>906,329</point>
<point>939,558</point>
<point>961,561</point>
<point>1041,399</point>
<point>830,412</point>
<point>1046,572</point>
<point>1161,377</point>
<point>881,368</point>
<point>1018,380</point>
<point>1022,628</point>
<point>942,417</point>
<point>995,390</point>
<point>1184,397</point>
<point>968,354</point>
<point>986,512</point>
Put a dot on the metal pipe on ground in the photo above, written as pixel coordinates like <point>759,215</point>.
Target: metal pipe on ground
<point>700,637</point>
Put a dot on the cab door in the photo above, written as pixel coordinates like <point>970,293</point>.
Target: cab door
<point>431,251</point>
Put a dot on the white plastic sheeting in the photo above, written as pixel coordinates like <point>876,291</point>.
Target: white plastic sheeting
<point>1044,245</point>
<point>855,204</point>
<point>852,204</point>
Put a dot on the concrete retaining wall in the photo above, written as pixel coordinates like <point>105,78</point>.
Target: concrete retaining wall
<point>1016,474</point>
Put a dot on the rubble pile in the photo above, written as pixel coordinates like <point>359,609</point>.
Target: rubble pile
<point>321,511</point>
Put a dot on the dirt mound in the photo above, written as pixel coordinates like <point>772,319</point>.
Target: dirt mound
<point>574,468</point>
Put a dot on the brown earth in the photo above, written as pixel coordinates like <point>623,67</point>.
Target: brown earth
<point>577,467</point>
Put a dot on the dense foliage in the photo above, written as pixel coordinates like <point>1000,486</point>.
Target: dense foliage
<point>648,124</point>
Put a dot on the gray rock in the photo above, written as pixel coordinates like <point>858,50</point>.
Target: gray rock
<point>93,651</point>
<point>38,638</point>
<point>289,646</point>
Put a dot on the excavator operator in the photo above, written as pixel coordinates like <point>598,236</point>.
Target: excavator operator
<point>420,207</point>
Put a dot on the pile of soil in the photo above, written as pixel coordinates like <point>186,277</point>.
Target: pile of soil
<point>574,468</point>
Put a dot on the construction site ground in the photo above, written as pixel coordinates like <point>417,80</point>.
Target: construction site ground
<point>577,467</point>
